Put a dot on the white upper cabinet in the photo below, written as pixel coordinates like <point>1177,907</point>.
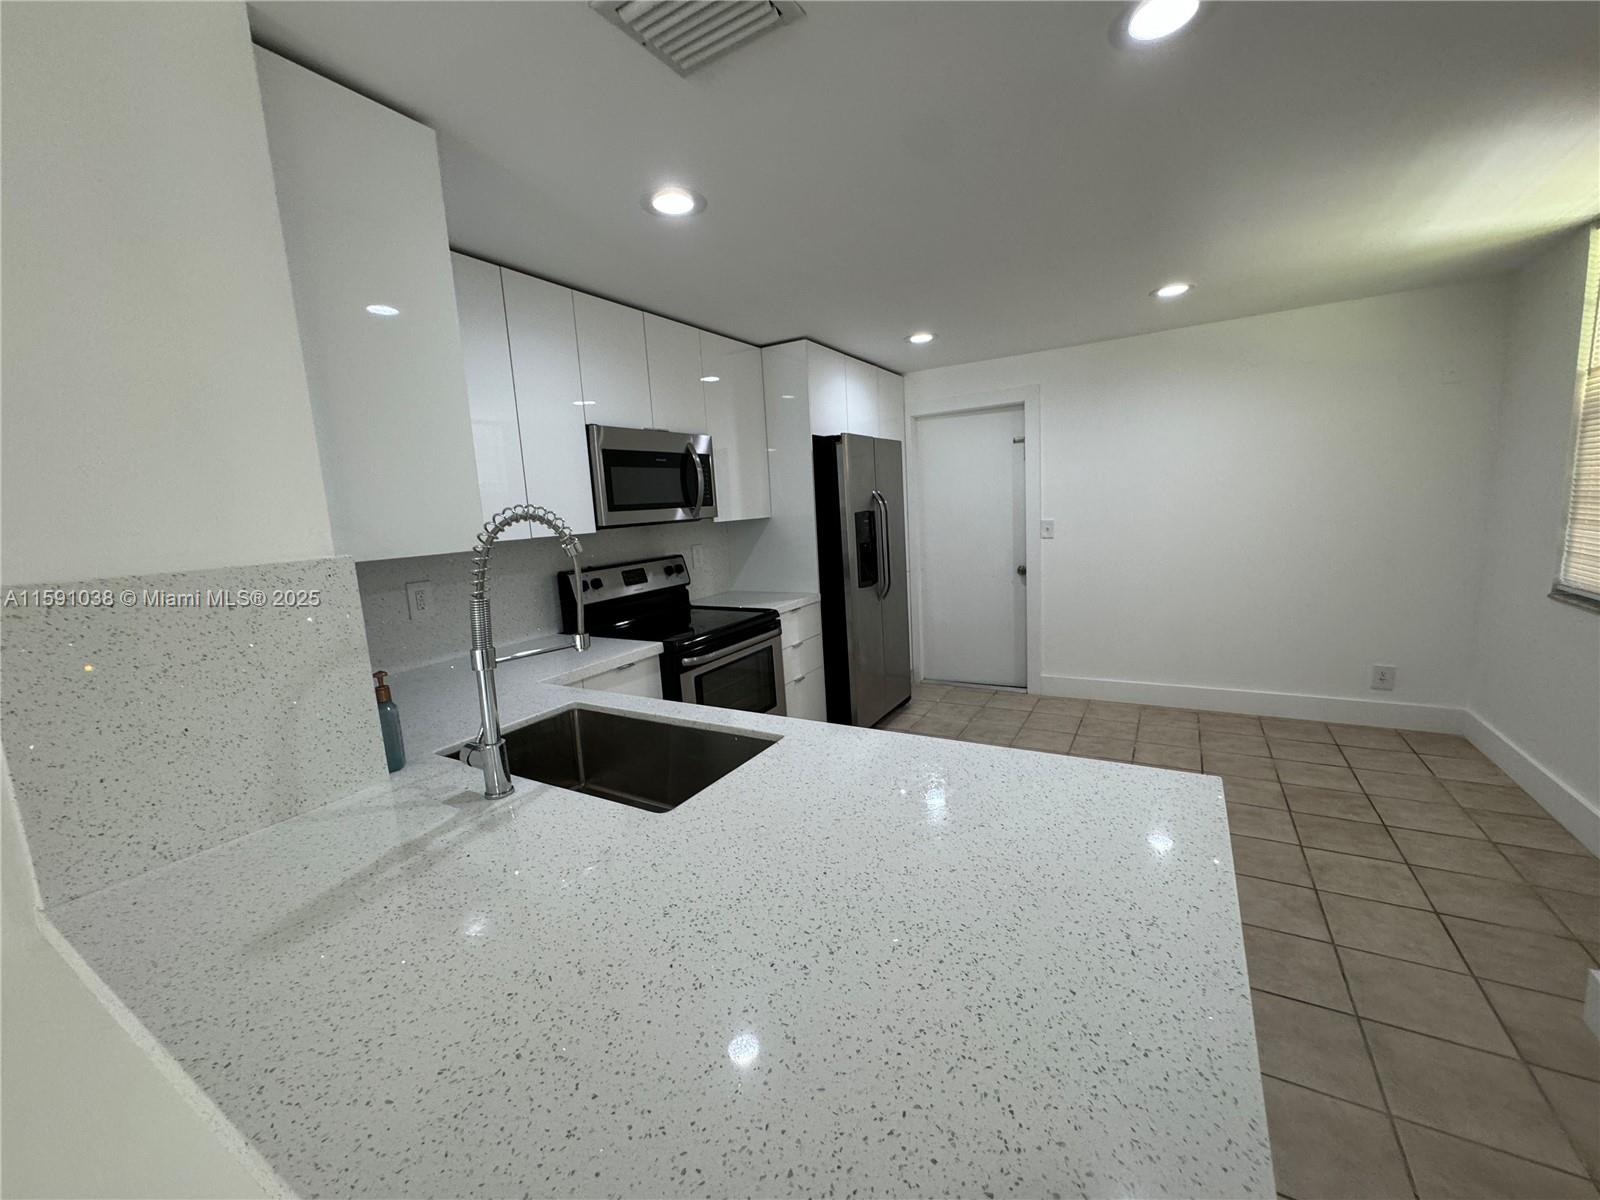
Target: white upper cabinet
<point>825,371</point>
<point>736,418</point>
<point>861,397</point>
<point>611,357</point>
<point>362,211</point>
<point>551,413</point>
<point>677,397</point>
<point>891,405</point>
<point>490,397</point>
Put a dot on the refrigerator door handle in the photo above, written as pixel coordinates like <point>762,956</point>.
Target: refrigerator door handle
<point>885,576</point>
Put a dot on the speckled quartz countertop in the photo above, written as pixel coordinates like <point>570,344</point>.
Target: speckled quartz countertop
<point>863,962</point>
<point>781,601</point>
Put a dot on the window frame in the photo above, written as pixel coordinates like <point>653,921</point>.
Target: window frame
<point>1588,361</point>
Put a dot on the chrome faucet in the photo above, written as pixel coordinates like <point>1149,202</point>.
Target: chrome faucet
<point>488,751</point>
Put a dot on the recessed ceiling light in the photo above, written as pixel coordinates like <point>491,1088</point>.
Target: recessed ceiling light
<point>583,403</point>
<point>383,310</point>
<point>711,379</point>
<point>1171,291</point>
<point>1152,20</point>
<point>921,338</point>
<point>674,201</point>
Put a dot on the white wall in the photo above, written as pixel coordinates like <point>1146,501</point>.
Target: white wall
<point>156,414</point>
<point>1537,683</point>
<point>156,418</point>
<point>1261,509</point>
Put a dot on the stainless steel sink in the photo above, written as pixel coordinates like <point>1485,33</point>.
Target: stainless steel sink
<point>650,764</point>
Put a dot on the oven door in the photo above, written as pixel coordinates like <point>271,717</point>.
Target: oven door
<point>648,476</point>
<point>748,676</point>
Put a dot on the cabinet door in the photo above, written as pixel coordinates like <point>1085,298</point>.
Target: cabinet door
<point>677,396</point>
<point>806,697</point>
<point>825,372</point>
<point>736,417</point>
<point>891,405</point>
<point>550,408</point>
<point>490,397</point>
<point>616,381</point>
<point>642,678</point>
<point>362,211</point>
<point>861,397</point>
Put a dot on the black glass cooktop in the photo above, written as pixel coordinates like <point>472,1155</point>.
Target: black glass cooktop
<point>691,630</point>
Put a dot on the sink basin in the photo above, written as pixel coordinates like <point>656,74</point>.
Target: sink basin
<point>649,764</point>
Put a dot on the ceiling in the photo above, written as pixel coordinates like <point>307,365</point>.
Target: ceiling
<point>1001,173</point>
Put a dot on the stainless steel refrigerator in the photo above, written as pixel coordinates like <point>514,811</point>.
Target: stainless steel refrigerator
<point>861,550</point>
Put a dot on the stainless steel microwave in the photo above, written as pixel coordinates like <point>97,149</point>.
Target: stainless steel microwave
<point>649,476</point>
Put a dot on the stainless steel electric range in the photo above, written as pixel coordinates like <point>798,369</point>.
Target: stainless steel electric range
<point>726,657</point>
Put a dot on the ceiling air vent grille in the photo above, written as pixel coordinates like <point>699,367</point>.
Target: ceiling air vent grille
<point>687,34</point>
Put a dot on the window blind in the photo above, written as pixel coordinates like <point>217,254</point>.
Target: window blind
<point>1580,562</point>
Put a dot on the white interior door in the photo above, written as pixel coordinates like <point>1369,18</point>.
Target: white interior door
<point>972,516</point>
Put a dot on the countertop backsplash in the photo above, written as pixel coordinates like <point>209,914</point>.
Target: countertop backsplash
<point>186,710</point>
<point>522,584</point>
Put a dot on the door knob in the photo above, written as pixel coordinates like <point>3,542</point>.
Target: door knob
<point>1023,571</point>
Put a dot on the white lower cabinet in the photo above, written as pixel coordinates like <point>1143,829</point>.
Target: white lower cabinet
<point>804,695</point>
<point>642,678</point>
<point>806,698</point>
<point>802,623</point>
<point>801,658</point>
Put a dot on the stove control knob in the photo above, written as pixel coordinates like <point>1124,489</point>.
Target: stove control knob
<point>598,584</point>
<point>586,585</point>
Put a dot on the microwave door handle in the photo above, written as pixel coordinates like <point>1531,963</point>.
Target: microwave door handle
<point>886,583</point>
<point>699,481</point>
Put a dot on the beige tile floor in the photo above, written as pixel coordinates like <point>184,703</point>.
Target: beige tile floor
<point>1417,929</point>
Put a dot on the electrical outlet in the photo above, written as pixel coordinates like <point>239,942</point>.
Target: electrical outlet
<point>1047,529</point>
<point>698,557</point>
<point>1383,678</point>
<point>419,599</point>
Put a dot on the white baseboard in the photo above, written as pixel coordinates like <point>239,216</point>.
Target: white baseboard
<point>1391,714</point>
<point>1559,798</point>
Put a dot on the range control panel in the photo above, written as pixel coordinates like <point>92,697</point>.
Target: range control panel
<point>630,578</point>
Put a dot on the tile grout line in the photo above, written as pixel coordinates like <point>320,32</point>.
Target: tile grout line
<point>1372,1059</point>
<point>1566,935</point>
<point>1527,1068</point>
<point>1424,1125</point>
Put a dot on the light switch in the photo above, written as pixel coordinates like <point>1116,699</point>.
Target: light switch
<point>1047,529</point>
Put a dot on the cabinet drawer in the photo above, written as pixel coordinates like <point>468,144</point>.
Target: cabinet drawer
<point>801,624</point>
<point>642,678</point>
<point>802,657</point>
<point>806,697</point>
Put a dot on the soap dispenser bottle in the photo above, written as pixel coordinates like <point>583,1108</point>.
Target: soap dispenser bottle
<point>394,745</point>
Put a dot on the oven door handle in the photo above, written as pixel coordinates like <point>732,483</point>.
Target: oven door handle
<point>699,481</point>
<point>701,659</point>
